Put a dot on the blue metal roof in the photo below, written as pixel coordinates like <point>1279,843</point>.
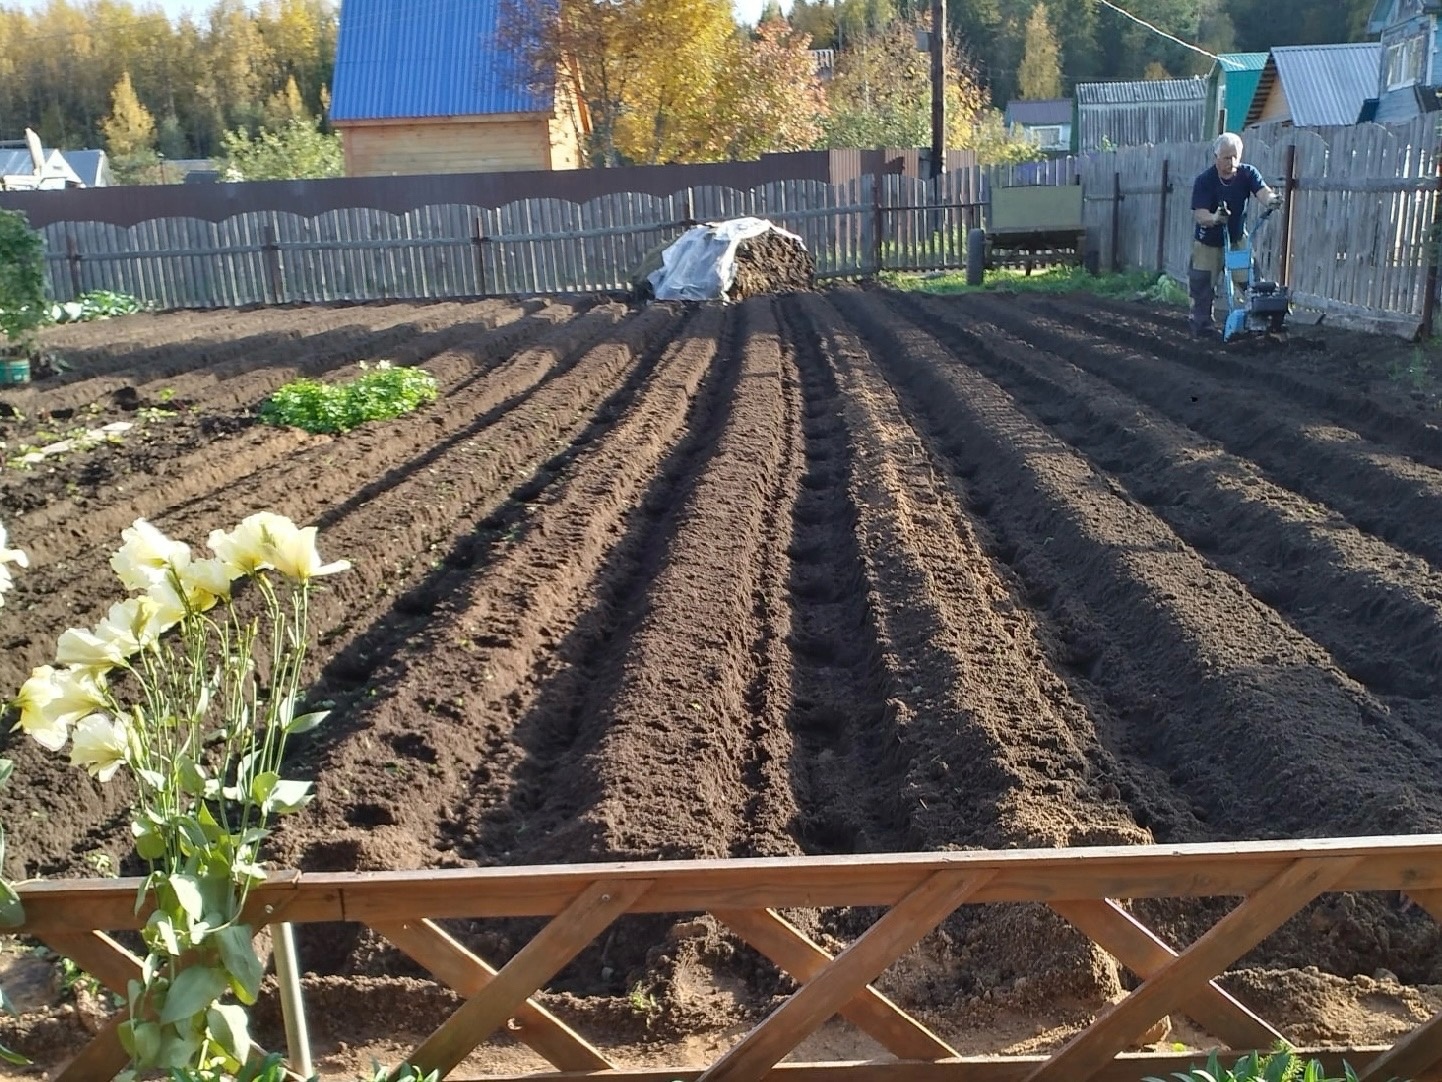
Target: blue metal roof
<point>426,58</point>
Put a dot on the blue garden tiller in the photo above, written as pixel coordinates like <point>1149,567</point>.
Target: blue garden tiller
<point>1261,306</point>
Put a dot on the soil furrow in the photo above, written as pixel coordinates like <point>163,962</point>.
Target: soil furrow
<point>507,720</point>
<point>1379,491</point>
<point>1213,688</point>
<point>1374,609</point>
<point>1270,370</point>
<point>679,708</point>
<point>281,481</point>
<point>839,698</point>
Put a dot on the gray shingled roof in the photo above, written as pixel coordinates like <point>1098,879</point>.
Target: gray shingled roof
<point>1039,111</point>
<point>1131,92</point>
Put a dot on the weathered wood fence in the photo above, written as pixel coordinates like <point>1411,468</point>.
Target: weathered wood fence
<point>1356,241</point>
<point>1086,886</point>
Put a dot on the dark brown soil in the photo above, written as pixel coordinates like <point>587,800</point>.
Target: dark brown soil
<point>844,571</point>
<point>772,263</point>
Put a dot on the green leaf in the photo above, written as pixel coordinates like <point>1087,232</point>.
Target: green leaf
<point>194,990</point>
<point>12,912</point>
<point>191,775</point>
<point>287,797</point>
<point>141,1040</point>
<point>304,723</point>
<point>15,1059</point>
<point>163,929</point>
<point>262,785</point>
<point>6,769</point>
<point>230,1026</point>
<point>149,843</point>
<point>187,895</point>
<point>237,954</point>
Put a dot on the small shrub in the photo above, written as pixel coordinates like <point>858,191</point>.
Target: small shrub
<point>23,309</point>
<point>377,395</point>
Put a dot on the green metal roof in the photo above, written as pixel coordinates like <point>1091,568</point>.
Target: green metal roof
<point>1242,61</point>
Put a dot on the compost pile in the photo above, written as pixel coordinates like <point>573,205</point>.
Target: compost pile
<point>774,262</point>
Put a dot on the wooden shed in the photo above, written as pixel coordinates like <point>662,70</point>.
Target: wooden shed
<point>1316,85</point>
<point>1139,112</point>
<point>431,88</point>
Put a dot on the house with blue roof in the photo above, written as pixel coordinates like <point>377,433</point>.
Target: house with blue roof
<point>433,88</point>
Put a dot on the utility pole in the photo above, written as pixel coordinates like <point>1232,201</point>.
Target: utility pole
<point>938,87</point>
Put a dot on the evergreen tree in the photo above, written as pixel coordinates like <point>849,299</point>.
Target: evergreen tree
<point>1039,76</point>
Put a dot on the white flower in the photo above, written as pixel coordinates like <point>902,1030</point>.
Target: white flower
<point>146,555</point>
<point>8,556</point>
<point>205,582</point>
<point>266,540</point>
<point>34,699</point>
<point>296,557</point>
<point>250,546</point>
<point>100,745</point>
<point>130,626</point>
<point>193,586</point>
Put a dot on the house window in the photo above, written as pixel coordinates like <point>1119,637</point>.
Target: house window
<point>1404,62</point>
<point>1046,136</point>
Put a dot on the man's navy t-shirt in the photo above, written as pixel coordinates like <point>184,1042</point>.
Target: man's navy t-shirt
<point>1209,191</point>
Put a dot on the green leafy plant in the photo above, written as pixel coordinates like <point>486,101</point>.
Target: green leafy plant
<point>191,685</point>
<point>1282,1065</point>
<point>378,394</point>
<point>96,304</point>
<point>22,285</point>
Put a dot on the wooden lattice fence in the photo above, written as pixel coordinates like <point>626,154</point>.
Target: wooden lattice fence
<point>1090,888</point>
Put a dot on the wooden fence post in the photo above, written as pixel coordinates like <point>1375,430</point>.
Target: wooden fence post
<point>1162,217</point>
<point>273,263</point>
<point>72,257</point>
<point>1289,188</point>
<point>876,221</point>
<point>1116,222</point>
<point>1434,249</point>
<point>479,240</point>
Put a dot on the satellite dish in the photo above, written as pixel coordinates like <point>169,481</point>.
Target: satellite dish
<point>37,152</point>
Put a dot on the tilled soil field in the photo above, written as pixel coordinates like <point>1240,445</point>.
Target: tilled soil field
<point>840,572</point>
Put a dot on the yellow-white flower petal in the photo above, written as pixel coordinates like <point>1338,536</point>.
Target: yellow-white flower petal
<point>100,745</point>
<point>296,556</point>
<point>146,555</point>
<point>250,547</point>
<point>36,695</point>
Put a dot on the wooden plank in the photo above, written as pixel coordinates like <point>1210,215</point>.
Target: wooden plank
<point>1264,911</point>
<point>1133,944</point>
<point>897,931</point>
<point>792,951</point>
<point>1419,1053</point>
<point>99,955</point>
<point>103,1057</point>
<point>1129,1067</point>
<point>467,974</point>
<point>590,913</point>
<point>1194,870</point>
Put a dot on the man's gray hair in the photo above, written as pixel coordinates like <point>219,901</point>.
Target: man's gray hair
<point>1228,140</point>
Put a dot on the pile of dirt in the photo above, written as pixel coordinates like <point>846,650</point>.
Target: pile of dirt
<point>772,263</point>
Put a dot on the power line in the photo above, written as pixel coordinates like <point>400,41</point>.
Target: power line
<point>1158,30</point>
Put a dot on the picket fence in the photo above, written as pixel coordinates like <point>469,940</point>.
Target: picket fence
<point>1356,239</point>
